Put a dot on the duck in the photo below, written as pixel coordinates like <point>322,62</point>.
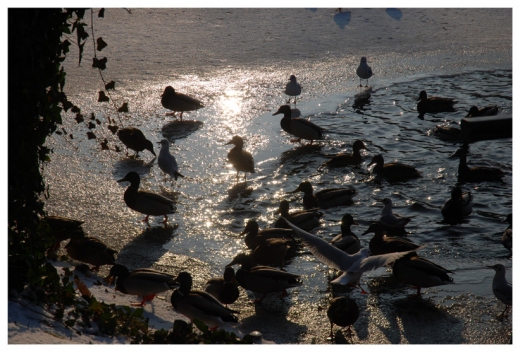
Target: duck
<point>146,202</point>
<point>174,101</point>
<point>344,159</point>
<point>270,251</point>
<point>502,289</point>
<point>485,111</point>
<point>292,89</point>
<point>420,272</point>
<point>306,219</point>
<point>263,279</point>
<point>133,138</point>
<point>241,159</point>
<point>458,206</point>
<point>224,288</point>
<point>196,304</point>
<point>343,311</point>
<point>167,162</point>
<point>61,229</point>
<point>507,236</point>
<point>382,244</point>
<point>253,234</point>
<point>347,241</point>
<point>475,173</point>
<point>434,104</point>
<point>90,250</point>
<point>393,172</point>
<point>389,220</point>
<point>297,126</point>
<point>146,283</point>
<point>363,71</point>
<point>326,198</point>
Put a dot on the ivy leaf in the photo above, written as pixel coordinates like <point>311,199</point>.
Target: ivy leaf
<point>123,108</point>
<point>117,149</point>
<point>104,145</point>
<point>113,128</point>
<point>99,63</point>
<point>102,97</point>
<point>110,85</point>
<point>91,135</point>
<point>79,118</point>
<point>91,125</point>
<point>101,13</point>
<point>101,44</point>
<point>71,136</point>
<point>92,116</point>
<point>68,105</point>
<point>75,109</point>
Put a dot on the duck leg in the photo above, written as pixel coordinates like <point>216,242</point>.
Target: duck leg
<point>145,219</point>
<point>143,302</point>
<point>284,294</point>
<point>258,300</point>
<point>165,219</point>
<point>331,336</point>
<point>181,115</point>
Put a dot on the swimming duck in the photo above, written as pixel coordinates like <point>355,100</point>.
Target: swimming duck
<point>224,288</point>
<point>166,161</point>
<point>90,250</point>
<point>174,101</point>
<point>363,71</point>
<point>146,202</point>
<point>420,272</point>
<point>393,172</point>
<point>297,126</point>
<point>382,244</point>
<point>305,219</point>
<point>293,89</point>
<point>240,159</point>
<point>502,289</point>
<point>485,111</point>
<point>133,138</point>
<point>326,198</point>
<point>476,173</point>
<point>434,104</point>
<point>343,311</point>
<point>253,234</point>
<point>389,220</point>
<point>507,236</point>
<point>263,279</point>
<point>196,304</point>
<point>61,229</point>
<point>347,241</point>
<point>344,159</point>
<point>146,283</point>
<point>458,206</point>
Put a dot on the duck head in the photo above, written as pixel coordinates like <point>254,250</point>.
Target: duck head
<point>132,177</point>
<point>237,141</point>
<point>473,111</point>
<point>377,159</point>
<point>117,271</point>
<point>284,207</point>
<point>422,95</point>
<point>460,153</point>
<point>229,274</point>
<point>251,226</point>
<point>285,110</point>
<point>358,145</point>
<point>509,219</point>
<point>387,202</point>
<point>168,91</point>
<point>456,193</point>
<point>375,228</point>
<point>242,259</point>
<point>304,187</point>
<point>292,78</point>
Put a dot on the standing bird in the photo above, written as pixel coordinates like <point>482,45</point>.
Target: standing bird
<point>224,288</point>
<point>458,206</point>
<point>240,159</point>
<point>344,159</point>
<point>476,173</point>
<point>166,161</point>
<point>146,202</point>
<point>133,138</point>
<point>305,219</point>
<point>293,89</point>
<point>502,289</point>
<point>485,111</point>
<point>347,241</point>
<point>391,221</point>
<point>343,311</point>
<point>297,126</point>
<point>507,236</point>
<point>363,71</point>
<point>393,172</point>
<point>326,198</point>
<point>434,104</point>
<point>382,244</point>
<point>174,101</point>
<point>90,250</point>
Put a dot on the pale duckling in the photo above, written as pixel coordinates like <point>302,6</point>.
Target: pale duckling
<point>224,288</point>
<point>326,198</point>
<point>263,279</point>
<point>90,250</point>
<point>146,283</point>
<point>174,101</point>
<point>253,234</point>
<point>166,161</point>
<point>347,241</point>
<point>507,236</point>
<point>420,272</point>
<point>393,172</point>
<point>434,104</point>
<point>146,202</point>
<point>343,311</point>
<point>390,220</point>
<point>344,159</point>
<point>476,173</point>
<point>133,138</point>
<point>297,126</point>
<point>292,89</point>
<point>240,159</point>
<point>502,289</point>
<point>305,219</point>
<point>196,304</point>
<point>382,244</point>
<point>458,206</point>
<point>485,111</point>
<point>363,71</point>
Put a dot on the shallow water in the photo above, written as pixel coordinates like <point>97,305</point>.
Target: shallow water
<point>237,62</point>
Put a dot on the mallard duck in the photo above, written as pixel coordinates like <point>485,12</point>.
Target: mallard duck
<point>146,283</point>
<point>344,159</point>
<point>61,229</point>
<point>448,133</point>
<point>485,111</point>
<point>420,272</point>
<point>347,241</point>
<point>381,244</point>
<point>240,159</point>
<point>146,202</point>
<point>306,219</point>
<point>224,288</point>
<point>253,234</point>
<point>166,161</point>
<point>458,206</point>
<point>270,251</point>
<point>389,220</point>
<point>343,311</point>
<point>502,289</point>
<point>476,173</point>
<point>325,198</point>
<point>174,101</point>
<point>507,236</point>
<point>434,104</point>
<point>297,126</point>
<point>195,304</point>
<point>133,138</point>
<point>363,71</point>
<point>90,250</point>
<point>293,89</point>
<point>263,279</point>
<point>393,172</point>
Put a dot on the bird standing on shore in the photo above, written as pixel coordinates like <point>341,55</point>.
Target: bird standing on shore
<point>241,159</point>
<point>174,101</point>
<point>363,71</point>
<point>133,138</point>
<point>293,89</point>
<point>502,289</point>
<point>166,161</point>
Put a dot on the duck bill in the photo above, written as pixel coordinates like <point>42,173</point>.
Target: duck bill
<point>296,190</point>
<point>109,279</point>
<point>122,180</point>
<point>278,112</point>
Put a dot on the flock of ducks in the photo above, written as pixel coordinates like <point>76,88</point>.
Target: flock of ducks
<point>258,270</point>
